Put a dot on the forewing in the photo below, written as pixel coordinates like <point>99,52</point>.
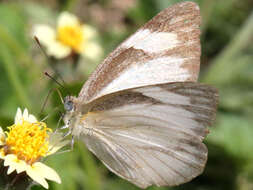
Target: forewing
<point>152,135</point>
<point>166,49</point>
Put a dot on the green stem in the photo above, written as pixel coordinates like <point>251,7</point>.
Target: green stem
<point>13,76</point>
<point>224,61</point>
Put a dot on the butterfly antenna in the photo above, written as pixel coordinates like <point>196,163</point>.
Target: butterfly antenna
<point>46,55</point>
<point>52,78</point>
<point>40,46</point>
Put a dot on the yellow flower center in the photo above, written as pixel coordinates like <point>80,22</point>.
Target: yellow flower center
<point>28,141</point>
<point>71,36</point>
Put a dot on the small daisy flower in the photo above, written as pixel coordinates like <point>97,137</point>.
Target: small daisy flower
<point>25,144</point>
<point>69,37</point>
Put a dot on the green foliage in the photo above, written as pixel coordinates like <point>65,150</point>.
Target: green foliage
<point>227,63</point>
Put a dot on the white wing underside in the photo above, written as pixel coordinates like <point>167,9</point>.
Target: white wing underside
<point>166,49</point>
<point>151,142</point>
<point>155,71</point>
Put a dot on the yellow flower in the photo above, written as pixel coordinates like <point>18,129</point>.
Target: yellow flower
<point>70,36</point>
<point>26,143</point>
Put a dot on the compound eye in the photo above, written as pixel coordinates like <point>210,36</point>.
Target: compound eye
<point>68,105</point>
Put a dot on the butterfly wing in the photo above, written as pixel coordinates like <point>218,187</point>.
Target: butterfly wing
<point>153,134</point>
<point>166,49</point>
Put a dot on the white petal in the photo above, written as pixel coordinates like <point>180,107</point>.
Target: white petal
<point>14,163</point>
<point>56,147</point>
<point>1,131</point>
<point>45,34</point>
<point>46,172</point>
<point>89,32</point>
<point>11,169</point>
<point>58,50</point>
<point>67,19</point>
<point>32,118</point>
<point>2,137</point>
<point>9,159</point>
<point>36,176</point>
<point>56,143</point>
<point>25,114</point>
<point>92,50</point>
<point>18,117</point>
<point>21,166</point>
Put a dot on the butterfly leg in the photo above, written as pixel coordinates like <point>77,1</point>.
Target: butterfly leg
<point>67,133</point>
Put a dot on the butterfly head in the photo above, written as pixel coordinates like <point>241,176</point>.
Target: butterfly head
<point>69,104</point>
<point>72,116</point>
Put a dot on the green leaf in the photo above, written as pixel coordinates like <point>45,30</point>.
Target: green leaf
<point>233,132</point>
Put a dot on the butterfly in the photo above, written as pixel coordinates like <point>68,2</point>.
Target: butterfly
<point>142,111</point>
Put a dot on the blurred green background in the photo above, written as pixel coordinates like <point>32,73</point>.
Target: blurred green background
<point>227,63</point>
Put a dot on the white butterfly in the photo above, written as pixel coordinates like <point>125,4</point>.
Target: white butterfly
<point>141,112</point>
